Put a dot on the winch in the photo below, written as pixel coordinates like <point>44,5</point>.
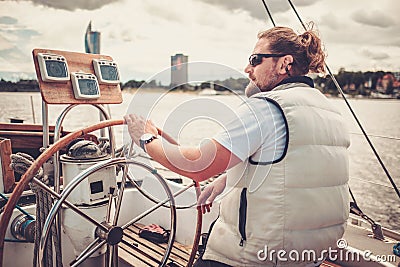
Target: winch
<point>91,195</point>
<point>94,189</point>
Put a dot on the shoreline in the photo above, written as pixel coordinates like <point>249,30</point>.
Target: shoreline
<point>198,92</point>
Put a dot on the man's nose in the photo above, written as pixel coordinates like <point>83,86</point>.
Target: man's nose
<point>248,68</point>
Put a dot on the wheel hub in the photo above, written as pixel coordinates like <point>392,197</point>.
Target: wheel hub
<point>113,235</point>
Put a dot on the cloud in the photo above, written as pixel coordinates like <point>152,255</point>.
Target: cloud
<point>13,60</point>
<point>256,8</point>
<point>163,12</point>
<point>7,20</point>
<point>305,2</point>
<point>5,44</point>
<point>14,42</point>
<point>331,21</point>
<point>18,36</point>
<point>374,18</point>
<point>22,33</point>
<point>375,55</point>
<point>72,5</point>
<point>12,55</point>
<point>125,35</point>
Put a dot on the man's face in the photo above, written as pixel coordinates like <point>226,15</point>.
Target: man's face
<point>264,76</point>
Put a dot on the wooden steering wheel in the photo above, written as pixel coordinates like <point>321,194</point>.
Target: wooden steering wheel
<point>109,229</point>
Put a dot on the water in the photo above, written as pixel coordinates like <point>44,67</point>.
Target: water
<point>186,116</point>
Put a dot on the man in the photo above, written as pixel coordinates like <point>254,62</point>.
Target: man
<point>286,157</point>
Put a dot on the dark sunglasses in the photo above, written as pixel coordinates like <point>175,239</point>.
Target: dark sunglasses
<point>256,59</point>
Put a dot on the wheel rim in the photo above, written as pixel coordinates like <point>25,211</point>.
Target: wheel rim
<point>83,175</point>
<point>28,176</point>
<point>46,155</point>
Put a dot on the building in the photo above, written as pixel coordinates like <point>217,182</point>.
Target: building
<point>92,40</point>
<point>179,70</point>
<point>389,83</point>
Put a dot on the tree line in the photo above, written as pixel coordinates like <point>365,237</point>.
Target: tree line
<point>362,83</point>
<point>351,82</point>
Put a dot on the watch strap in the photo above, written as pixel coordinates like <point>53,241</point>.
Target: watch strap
<point>143,142</point>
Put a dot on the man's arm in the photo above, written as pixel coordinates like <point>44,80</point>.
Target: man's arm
<point>197,163</point>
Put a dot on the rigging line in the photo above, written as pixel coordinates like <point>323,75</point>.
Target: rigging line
<point>380,136</point>
<point>352,112</point>
<point>352,196</point>
<point>371,182</point>
<point>269,13</point>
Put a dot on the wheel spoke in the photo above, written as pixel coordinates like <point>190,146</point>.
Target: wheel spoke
<point>112,249</point>
<point>145,213</point>
<point>120,195</point>
<point>87,248</point>
<point>111,257</point>
<point>87,255</point>
<point>108,257</point>
<point>122,189</point>
<point>115,256</point>
<point>154,200</point>
<point>68,204</point>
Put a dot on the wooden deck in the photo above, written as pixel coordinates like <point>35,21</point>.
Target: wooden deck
<point>137,251</point>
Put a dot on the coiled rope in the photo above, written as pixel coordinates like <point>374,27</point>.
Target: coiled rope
<point>20,163</point>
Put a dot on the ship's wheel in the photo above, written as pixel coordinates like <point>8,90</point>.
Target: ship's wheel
<point>108,232</point>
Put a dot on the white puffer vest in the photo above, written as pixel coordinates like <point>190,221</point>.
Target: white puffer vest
<point>298,202</point>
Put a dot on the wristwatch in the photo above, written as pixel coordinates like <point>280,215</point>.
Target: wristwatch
<point>145,139</point>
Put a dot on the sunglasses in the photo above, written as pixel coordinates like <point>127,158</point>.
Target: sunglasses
<point>256,59</point>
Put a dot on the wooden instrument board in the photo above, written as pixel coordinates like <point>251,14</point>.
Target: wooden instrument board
<point>63,93</point>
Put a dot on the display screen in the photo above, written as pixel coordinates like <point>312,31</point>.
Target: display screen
<point>109,73</point>
<point>56,68</point>
<point>88,87</point>
<point>96,187</point>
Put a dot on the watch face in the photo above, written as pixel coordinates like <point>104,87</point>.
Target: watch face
<point>146,136</point>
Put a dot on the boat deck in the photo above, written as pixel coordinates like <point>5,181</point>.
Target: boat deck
<point>360,238</point>
<point>137,251</point>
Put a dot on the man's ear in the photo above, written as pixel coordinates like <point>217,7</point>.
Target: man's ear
<point>285,64</point>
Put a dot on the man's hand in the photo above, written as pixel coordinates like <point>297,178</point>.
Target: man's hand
<point>137,126</point>
<point>209,193</point>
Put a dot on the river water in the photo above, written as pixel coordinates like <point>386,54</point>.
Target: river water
<point>190,118</point>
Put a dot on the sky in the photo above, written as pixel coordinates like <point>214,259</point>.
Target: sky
<point>359,35</point>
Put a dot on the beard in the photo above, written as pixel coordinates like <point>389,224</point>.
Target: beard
<point>253,88</point>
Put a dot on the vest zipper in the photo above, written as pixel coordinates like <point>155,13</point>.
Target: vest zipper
<point>243,216</point>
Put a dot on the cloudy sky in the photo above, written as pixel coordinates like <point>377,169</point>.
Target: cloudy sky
<point>142,35</point>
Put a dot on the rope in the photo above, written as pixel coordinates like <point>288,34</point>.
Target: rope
<point>20,162</point>
<point>269,13</point>
<point>352,196</point>
<point>380,136</point>
<point>352,112</point>
<point>371,182</point>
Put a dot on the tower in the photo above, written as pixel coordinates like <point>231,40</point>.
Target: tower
<point>92,40</point>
